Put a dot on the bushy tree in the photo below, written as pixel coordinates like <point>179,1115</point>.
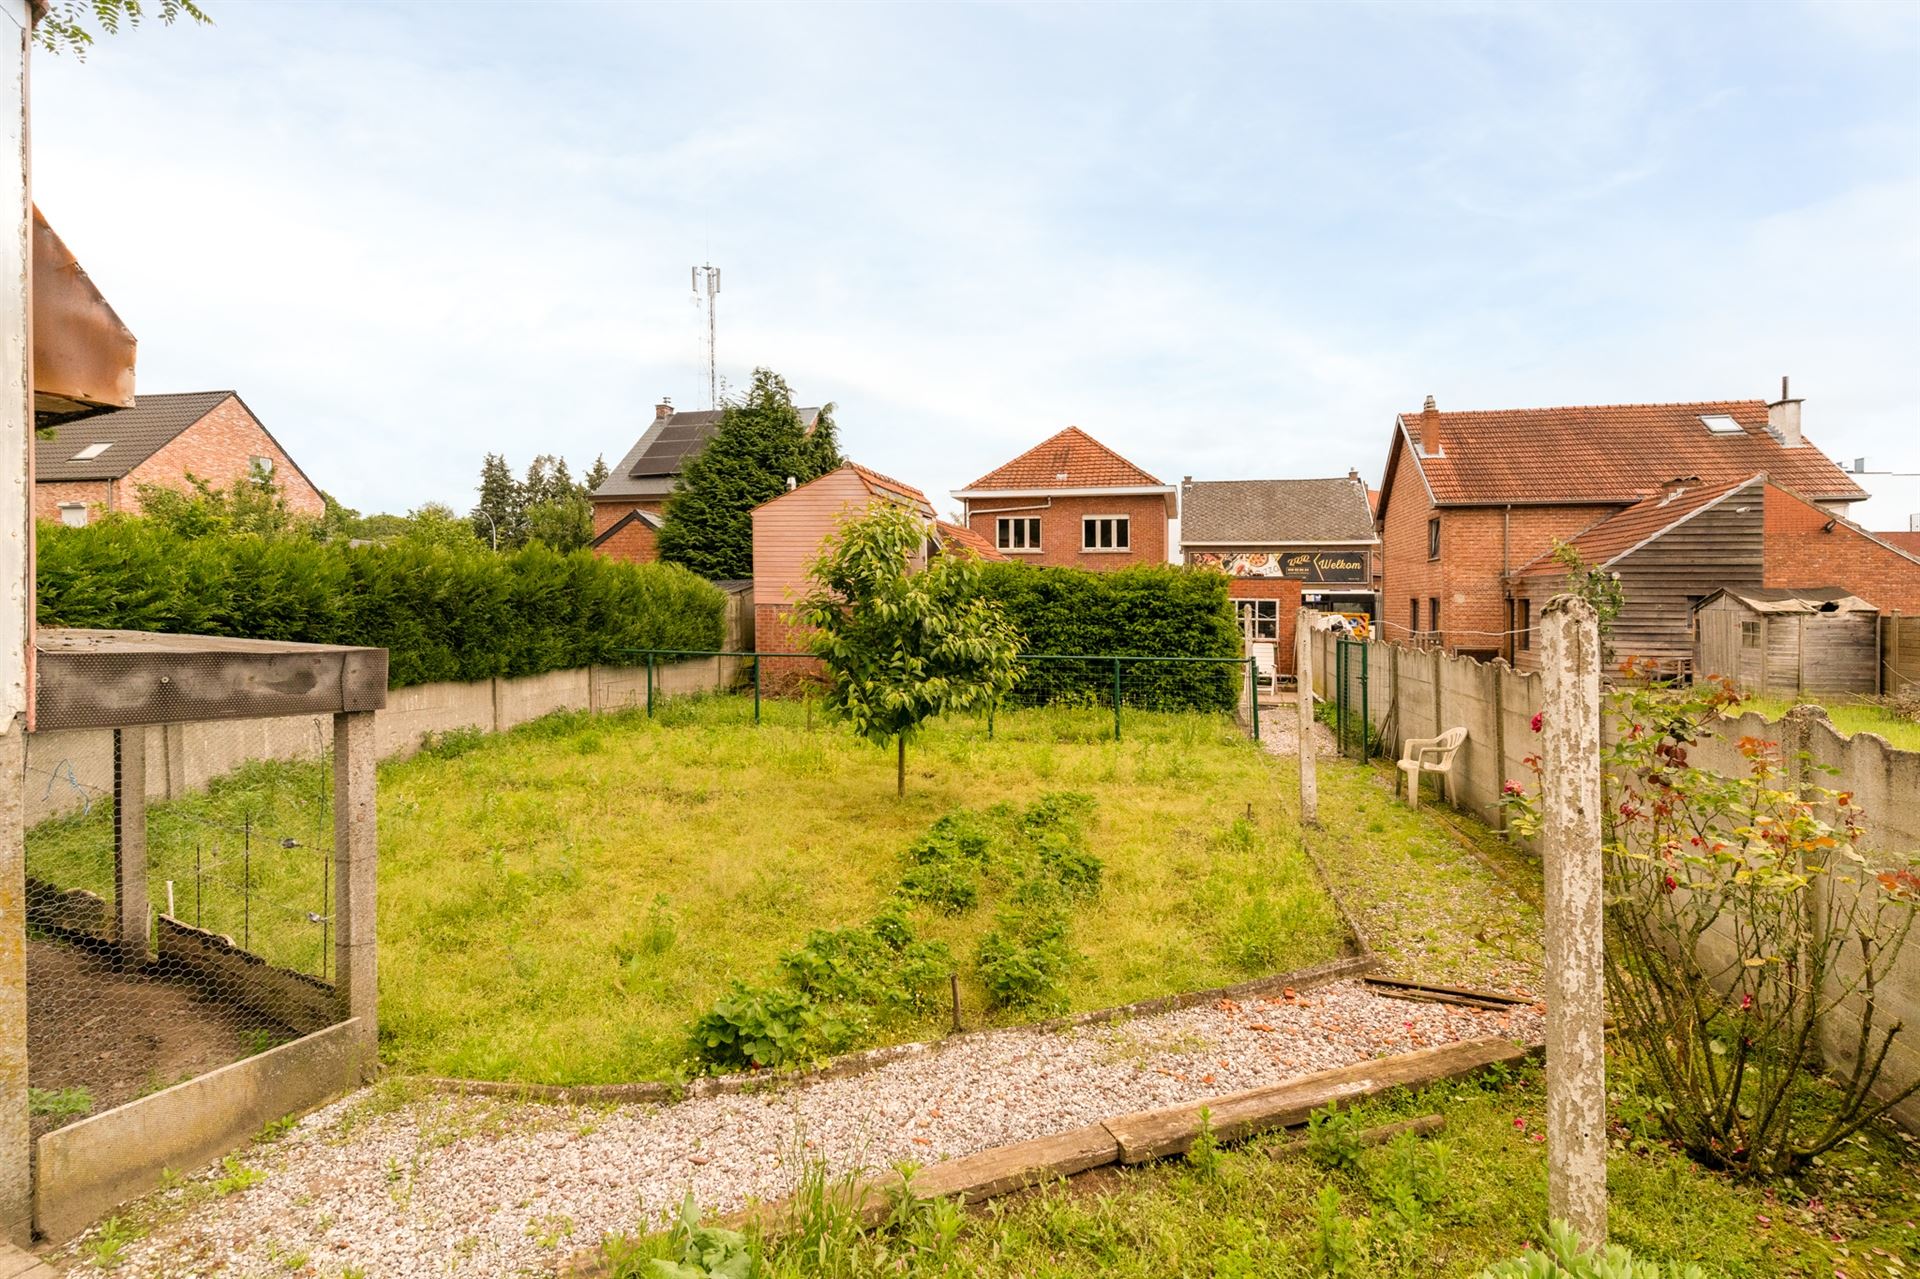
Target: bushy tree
<point>497,516</point>
<point>760,443</point>
<point>901,645</point>
<point>251,504</point>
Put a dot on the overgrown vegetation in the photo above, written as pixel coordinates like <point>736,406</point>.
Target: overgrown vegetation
<point>1156,610</point>
<point>443,612</point>
<point>903,643</point>
<point>1447,1207</point>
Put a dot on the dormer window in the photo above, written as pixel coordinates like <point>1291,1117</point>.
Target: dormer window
<point>92,451</point>
<point>1721,424</point>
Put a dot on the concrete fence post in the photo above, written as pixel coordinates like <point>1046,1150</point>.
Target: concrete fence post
<point>130,844</point>
<point>1570,852</point>
<point>16,1190</point>
<point>355,877</point>
<point>1303,634</point>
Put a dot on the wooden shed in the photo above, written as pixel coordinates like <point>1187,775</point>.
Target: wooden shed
<point>1784,642</point>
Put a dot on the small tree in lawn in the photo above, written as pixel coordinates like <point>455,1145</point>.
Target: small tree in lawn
<point>902,646</point>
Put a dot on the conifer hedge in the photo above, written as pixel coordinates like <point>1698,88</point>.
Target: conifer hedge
<point>1147,610</point>
<point>441,613</point>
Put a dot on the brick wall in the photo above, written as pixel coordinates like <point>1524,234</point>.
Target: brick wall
<point>1800,552</point>
<point>1476,545</point>
<point>774,631</point>
<point>1060,528</point>
<point>637,543</point>
<point>219,449</point>
<point>1287,593</point>
<point>48,497</point>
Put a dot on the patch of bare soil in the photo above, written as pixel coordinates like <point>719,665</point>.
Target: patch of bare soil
<point>122,1035</point>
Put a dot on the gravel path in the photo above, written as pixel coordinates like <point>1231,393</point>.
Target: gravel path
<point>474,1186</point>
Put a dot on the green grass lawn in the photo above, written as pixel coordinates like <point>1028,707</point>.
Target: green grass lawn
<point>1851,717</point>
<point>1442,1207</point>
<point>557,904</point>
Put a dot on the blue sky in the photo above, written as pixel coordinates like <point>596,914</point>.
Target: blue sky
<point>1230,241</point>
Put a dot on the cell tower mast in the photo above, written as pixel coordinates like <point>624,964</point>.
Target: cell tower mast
<point>707,278</point>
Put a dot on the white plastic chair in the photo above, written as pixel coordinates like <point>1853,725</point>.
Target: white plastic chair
<point>1264,654</point>
<point>1431,755</point>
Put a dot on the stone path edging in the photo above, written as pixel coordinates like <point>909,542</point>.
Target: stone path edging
<point>858,1063</point>
<point>1131,1139</point>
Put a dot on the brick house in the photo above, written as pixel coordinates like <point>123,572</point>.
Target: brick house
<point>93,465</point>
<point>1675,549</point>
<point>788,534</point>
<point>1283,543</point>
<point>1072,501</point>
<point>629,503</point>
<point>1469,498</point>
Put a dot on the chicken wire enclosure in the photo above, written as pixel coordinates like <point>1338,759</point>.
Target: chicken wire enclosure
<point>177,930</point>
<point>199,891</point>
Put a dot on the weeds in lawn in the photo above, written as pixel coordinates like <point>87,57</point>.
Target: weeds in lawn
<point>1203,1156</point>
<point>1333,1139</point>
<point>275,1129</point>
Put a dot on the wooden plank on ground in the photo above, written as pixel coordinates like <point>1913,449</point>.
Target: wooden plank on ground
<point>1489,998</point>
<point>1156,1134</point>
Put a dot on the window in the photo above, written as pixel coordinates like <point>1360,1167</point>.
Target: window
<point>1721,424</point>
<point>73,514</point>
<point>1413,616</point>
<point>1259,619</point>
<point>1433,613</point>
<point>261,465</point>
<point>1433,538</point>
<point>1525,624</point>
<point>90,452</point>
<point>1103,533</point>
<point>1749,635</point>
<point>1017,534</point>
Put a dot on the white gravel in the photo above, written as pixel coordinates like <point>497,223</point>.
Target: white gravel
<point>440,1185</point>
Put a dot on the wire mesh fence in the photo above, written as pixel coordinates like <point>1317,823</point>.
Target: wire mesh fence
<point>1103,686</point>
<point>179,904</point>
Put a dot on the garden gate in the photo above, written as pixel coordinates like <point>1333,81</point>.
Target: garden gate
<point>1351,727</point>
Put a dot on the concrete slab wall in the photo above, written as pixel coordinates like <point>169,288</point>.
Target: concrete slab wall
<point>84,1170</point>
<point>71,769</point>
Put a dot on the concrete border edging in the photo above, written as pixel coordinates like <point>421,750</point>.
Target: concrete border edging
<point>859,1063</point>
<point>88,1168</point>
<point>1128,1139</point>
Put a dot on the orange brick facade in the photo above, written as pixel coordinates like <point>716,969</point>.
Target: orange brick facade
<point>218,449</point>
<point>636,542</point>
<point>1802,551</point>
<point>1479,545</point>
<point>1286,593</point>
<point>1060,528</point>
<point>774,631</point>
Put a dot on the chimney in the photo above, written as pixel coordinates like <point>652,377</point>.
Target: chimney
<point>664,409</point>
<point>1783,418</point>
<point>792,483</point>
<point>1429,429</point>
<point>1353,474</point>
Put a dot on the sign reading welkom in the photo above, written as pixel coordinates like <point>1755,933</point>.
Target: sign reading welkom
<point>1320,567</point>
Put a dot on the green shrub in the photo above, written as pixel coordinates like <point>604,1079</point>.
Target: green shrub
<point>1024,960</point>
<point>756,1027</point>
<point>1147,610</point>
<point>441,612</point>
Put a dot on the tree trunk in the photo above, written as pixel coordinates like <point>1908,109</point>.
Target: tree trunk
<point>900,766</point>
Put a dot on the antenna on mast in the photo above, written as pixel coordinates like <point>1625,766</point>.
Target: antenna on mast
<point>707,278</point>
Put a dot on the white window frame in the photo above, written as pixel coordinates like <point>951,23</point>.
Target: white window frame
<point>68,512</point>
<point>1262,628</point>
<point>261,462</point>
<point>1122,529</point>
<point>1030,533</point>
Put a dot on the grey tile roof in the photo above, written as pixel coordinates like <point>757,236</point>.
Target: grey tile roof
<point>132,436</point>
<point>652,464</point>
<point>1274,512</point>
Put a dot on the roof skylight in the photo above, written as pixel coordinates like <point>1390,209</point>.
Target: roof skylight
<point>1721,424</point>
<point>92,451</point>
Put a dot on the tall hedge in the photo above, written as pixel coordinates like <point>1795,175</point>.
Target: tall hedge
<point>441,613</point>
<point>1147,611</point>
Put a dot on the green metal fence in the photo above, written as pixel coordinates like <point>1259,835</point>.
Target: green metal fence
<point>1116,681</point>
<point>1352,727</point>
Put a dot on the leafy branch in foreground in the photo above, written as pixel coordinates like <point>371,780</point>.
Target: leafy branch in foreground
<point>64,27</point>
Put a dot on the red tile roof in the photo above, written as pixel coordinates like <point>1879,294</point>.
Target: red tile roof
<point>1071,459</point>
<point>1611,453</point>
<point>1621,532</point>
<point>886,486</point>
<point>961,537</point>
